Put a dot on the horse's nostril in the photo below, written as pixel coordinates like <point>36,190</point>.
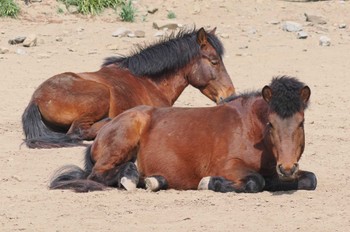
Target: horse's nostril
<point>295,168</point>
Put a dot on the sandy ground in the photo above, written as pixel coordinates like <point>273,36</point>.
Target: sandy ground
<point>256,50</point>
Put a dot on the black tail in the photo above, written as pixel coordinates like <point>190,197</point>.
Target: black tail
<point>74,178</point>
<point>38,135</point>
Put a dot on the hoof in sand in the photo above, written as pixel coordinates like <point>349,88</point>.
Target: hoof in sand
<point>204,183</point>
<point>128,184</point>
<point>152,184</point>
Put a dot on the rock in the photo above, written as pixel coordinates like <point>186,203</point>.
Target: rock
<point>315,19</point>
<point>291,26</point>
<point>274,22</point>
<point>80,29</point>
<point>4,50</point>
<point>30,41</point>
<point>131,35</point>
<point>121,32</point>
<point>59,39</point>
<point>140,34</point>
<point>20,51</point>
<point>302,35</point>
<point>325,41</point>
<point>17,40</point>
<point>161,24</point>
<point>72,49</point>
<point>342,26</point>
<point>73,9</point>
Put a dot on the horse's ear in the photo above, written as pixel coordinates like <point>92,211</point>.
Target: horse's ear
<point>202,37</point>
<point>305,93</point>
<point>267,93</point>
<point>213,31</point>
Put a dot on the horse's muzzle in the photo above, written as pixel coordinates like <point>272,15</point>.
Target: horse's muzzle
<point>287,173</point>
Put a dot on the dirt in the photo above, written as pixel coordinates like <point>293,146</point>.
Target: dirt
<point>256,50</point>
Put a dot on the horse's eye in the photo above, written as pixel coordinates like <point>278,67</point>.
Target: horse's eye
<point>269,124</point>
<point>214,62</point>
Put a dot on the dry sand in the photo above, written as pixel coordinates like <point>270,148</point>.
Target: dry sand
<point>256,50</point>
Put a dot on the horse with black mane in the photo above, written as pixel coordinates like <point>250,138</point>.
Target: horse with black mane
<point>71,107</point>
<point>251,143</point>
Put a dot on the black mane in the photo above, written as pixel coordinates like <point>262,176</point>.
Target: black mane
<point>166,55</point>
<point>286,99</point>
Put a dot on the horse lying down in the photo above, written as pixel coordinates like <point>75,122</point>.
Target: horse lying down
<point>251,143</point>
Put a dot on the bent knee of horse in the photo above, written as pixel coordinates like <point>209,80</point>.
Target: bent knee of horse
<point>254,183</point>
<point>307,182</point>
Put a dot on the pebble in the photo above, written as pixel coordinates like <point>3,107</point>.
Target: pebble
<point>121,32</point>
<point>302,35</point>
<point>342,26</point>
<point>160,34</point>
<point>17,40</point>
<point>325,41</point>
<point>30,41</point>
<point>291,26</point>
<point>140,34</point>
<point>4,50</point>
<point>112,47</point>
<point>315,19</point>
<point>59,39</point>
<point>20,51</point>
<point>224,36</point>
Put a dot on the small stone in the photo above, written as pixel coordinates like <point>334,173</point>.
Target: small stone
<point>17,40</point>
<point>252,31</point>
<point>302,35</point>
<point>4,50</point>
<point>20,51</point>
<point>161,24</point>
<point>72,49</point>
<point>140,34</point>
<point>274,22</point>
<point>30,41</point>
<point>325,41</point>
<point>342,26</point>
<point>59,39</point>
<point>131,35</point>
<point>80,29</point>
<point>315,19</point>
<point>73,9</point>
<point>121,32</point>
<point>291,26</point>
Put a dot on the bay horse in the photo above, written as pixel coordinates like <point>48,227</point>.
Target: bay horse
<point>251,143</point>
<point>71,107</point>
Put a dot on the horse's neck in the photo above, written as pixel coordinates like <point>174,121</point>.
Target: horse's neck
<point>171,85</point>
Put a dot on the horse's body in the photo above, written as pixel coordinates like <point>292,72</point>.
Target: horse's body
<point>250,144</point>
<point>69,107</point>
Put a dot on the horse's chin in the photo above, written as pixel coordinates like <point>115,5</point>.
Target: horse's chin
<point>286,178</point>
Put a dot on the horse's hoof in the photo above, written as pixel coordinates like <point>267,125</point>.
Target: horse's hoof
<point>128,184</point>
<point>152,184</point>
<point>204,183</point>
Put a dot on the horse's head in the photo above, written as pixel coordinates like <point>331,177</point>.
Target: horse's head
<point>287,99</point>
<point>208,72</point>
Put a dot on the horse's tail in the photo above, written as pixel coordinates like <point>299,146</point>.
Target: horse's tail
<point>74,178</point>
<point>38,135</point>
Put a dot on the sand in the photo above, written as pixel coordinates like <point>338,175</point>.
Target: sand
<point>256,50</point>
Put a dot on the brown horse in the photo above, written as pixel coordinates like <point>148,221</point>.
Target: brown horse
<point>70,107</point>
<point>249,144</point>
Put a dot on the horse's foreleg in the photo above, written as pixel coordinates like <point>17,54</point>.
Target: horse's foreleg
<point>304,181</point>
<point>117,144</point>
<point>234,176</point>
